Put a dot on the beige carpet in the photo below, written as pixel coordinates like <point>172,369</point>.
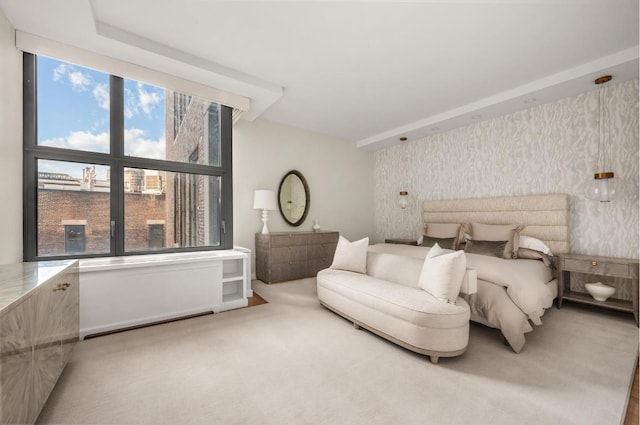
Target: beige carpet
<point>293,362</point>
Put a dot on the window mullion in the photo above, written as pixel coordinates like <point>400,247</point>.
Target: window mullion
<point>29,134</point>
<point>116,138</point>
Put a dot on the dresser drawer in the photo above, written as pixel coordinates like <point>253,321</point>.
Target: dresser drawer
<point>324,238</point>
<point>288,240</point>
<point>600,267</point>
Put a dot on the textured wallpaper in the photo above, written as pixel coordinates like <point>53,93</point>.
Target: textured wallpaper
<point>550,148</point>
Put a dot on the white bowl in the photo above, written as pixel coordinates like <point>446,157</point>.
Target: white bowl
<point>599,291</point>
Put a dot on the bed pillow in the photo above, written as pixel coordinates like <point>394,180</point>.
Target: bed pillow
<point>534,244</point>
<point>490,248</point>
<point>531,254</point>
<point>351,256</point>
<point>442,231</point>
<point>442,273</point>
<point>499,232</point>
<point>445,242</point>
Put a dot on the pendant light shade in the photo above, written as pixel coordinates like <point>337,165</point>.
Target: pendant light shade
<point>403,199</point>
<point>603,186</point>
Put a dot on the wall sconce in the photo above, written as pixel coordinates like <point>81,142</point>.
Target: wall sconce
<point>264,200</point>
<point>602,188</point>
<point>403,201</point>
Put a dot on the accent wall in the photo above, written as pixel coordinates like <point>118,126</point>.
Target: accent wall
<point>550,148</point>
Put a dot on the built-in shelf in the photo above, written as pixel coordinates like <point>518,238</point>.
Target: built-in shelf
<point>233,290</point>
<point>232,269</point>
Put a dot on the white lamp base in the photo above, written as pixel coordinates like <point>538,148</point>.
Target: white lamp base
<point>265,218</point>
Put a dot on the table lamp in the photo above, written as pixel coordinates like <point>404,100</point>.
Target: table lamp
<point>264,200</point>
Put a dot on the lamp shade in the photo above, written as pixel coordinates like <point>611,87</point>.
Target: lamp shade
<point>264,200</point>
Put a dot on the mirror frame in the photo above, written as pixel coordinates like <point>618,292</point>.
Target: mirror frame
<point>306,194</point>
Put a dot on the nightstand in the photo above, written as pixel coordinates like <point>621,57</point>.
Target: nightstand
<point>600,266</point>
<point>412,242</point>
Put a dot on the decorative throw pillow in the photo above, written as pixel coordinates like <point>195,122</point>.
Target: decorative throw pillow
<point>499,232</point>
<point>442,273</point>
<point>443,231</point>
<point>490,248</point>
<point>531,254</point>
<point>446,242</point>
<point>351,256</point>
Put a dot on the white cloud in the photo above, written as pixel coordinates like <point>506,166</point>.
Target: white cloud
<point>147,100</point>
<point>135,144</point>
<point>79,81</point>
<point>60,71</point>
<point>101,94</point>
<point>81,140</point>
<point>130,104</point>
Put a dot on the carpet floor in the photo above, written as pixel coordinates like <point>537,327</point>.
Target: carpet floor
<point>291,361</point>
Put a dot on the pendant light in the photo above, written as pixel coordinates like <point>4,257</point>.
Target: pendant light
<point>602,188</point>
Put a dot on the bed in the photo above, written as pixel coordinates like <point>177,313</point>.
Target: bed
<point>512,294</point>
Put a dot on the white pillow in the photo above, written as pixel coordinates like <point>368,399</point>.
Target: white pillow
<point>534,244</point>
<point>442,273</point>
<point>351,256</point>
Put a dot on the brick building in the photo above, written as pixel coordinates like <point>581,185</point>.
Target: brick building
<point>74,214</point>
<point>192,135</point>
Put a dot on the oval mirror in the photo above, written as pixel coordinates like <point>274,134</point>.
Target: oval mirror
<point>293,198</point>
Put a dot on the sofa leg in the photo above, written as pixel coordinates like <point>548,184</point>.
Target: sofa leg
<point>356,326</point>
<point>434,359</point>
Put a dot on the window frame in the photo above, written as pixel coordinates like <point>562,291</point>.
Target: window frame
<point>117,161</point>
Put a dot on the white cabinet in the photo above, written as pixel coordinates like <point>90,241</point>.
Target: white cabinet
<point>122,292</point>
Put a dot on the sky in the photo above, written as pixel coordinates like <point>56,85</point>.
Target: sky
<point>73,112</point>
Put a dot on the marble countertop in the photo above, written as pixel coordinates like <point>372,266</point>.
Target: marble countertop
<point>18,280</point>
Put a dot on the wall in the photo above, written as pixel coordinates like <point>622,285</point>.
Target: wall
<point>339,175</point>
<point>10,145</point>
<point>549,148</point>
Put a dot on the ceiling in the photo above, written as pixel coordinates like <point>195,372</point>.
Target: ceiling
<point>366,72</point>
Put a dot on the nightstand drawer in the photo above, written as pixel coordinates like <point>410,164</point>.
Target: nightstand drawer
<point>597,266</point>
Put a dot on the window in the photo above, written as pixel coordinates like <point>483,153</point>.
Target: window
<point>74,239</point>
<point>118,167</point>
<point>156,236</point>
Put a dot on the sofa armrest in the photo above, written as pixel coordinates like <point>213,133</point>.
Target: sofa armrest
<point>469,282</point>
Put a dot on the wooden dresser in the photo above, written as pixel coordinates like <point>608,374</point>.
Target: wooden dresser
<point>294,255</point>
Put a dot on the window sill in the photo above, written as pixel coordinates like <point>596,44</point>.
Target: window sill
<point>149,260</point>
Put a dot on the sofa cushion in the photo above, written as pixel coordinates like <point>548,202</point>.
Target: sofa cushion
<point>442,273</point>
<point>403,302</point>
<point>395,268</point>
<point>351,256</point>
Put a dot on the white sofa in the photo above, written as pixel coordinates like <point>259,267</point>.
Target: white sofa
<point>388,301</point>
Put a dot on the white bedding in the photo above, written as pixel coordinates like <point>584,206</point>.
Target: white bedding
<point>511,293</point>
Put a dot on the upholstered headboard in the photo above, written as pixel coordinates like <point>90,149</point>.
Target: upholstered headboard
<point>546,216</point>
